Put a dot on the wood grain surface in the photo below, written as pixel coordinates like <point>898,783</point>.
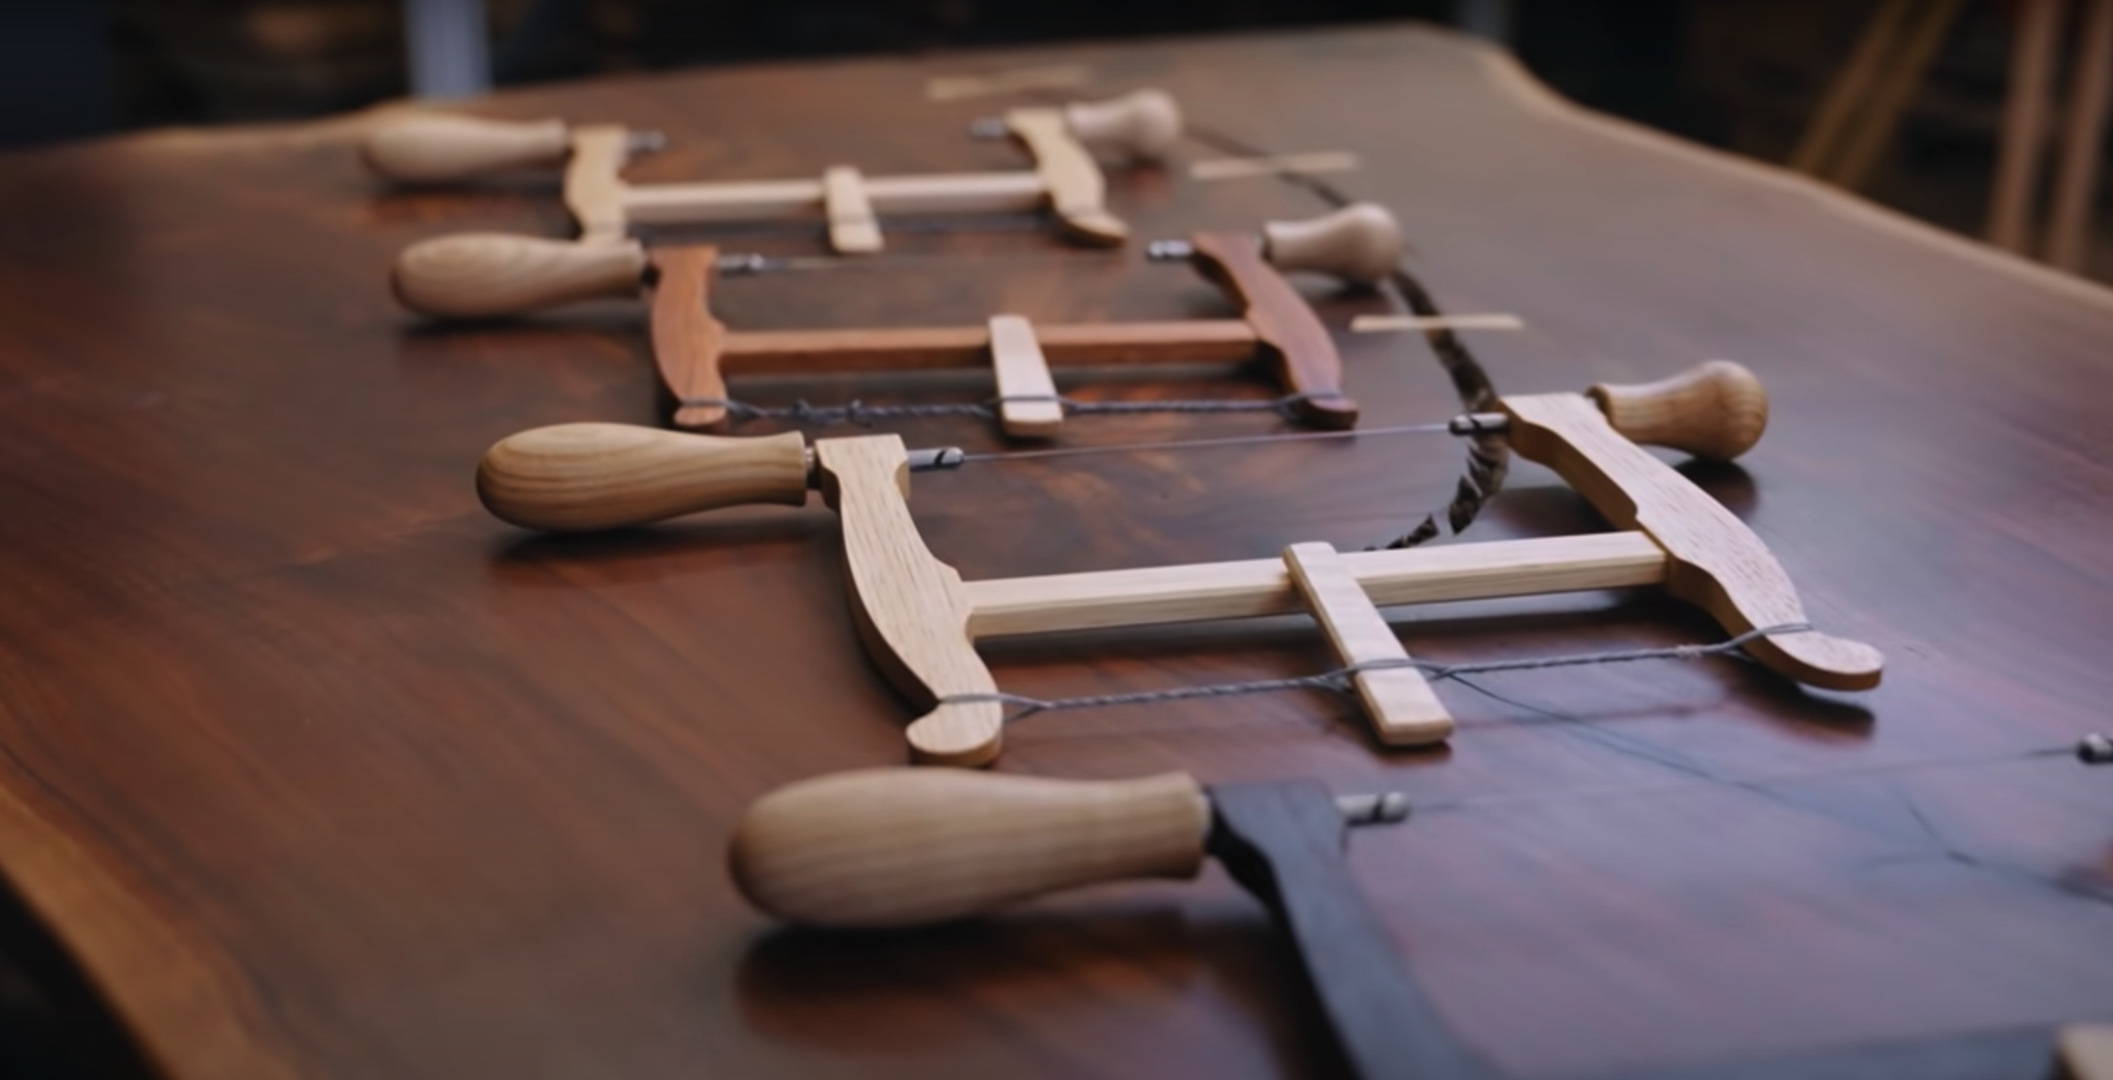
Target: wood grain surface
<point>316,769</point>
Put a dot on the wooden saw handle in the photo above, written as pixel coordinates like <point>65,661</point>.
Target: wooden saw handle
<point>1715,410</point>
<point>576,477</point>
<point>442,147</point>
<point>905,846</point>
<point>479,275</point>
<point>1140,124</point>
<point>1360,243</point>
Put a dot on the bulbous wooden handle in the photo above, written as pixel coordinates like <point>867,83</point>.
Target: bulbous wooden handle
<point>577,477</point>
<point>1716,410</point>
<point>1143,123</point>
<point>1361,243</point>
<point>440,147</point>
<point>904,846</point>
<point>477,275</point>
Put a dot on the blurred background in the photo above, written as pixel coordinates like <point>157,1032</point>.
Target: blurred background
<point>1982,116</point>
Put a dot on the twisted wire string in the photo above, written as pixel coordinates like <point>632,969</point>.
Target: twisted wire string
<point>1488,454</point>
<point>1343,679</point>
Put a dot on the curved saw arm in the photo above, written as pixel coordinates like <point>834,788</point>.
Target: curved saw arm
<point>1140,125</point>
<point>687,340</point>
<point>594,190</point>
<point>912,609</point>
<point>1284,324</point>
<point>1069,175</point>
<point>1713,560</point>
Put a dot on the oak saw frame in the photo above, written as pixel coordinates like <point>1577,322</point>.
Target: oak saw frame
<point>484,274</point>
<point>920,620</point>
<point>1065,176</point>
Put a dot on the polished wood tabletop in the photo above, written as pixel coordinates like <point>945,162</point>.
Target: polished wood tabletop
<point>313,768</point>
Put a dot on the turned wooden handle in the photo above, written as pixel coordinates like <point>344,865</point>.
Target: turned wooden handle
<point>1141,124</point>
<point>1361,243</point>
<point>430,149</point>
<point>576,477</point>
<point>477,275</point>
<point>1715,410</point>
<point>904,846</point>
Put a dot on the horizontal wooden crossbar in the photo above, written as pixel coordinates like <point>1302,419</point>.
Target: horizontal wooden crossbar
<point>1193,341</point>
<point>1253,587</point>
<point>767,200</point>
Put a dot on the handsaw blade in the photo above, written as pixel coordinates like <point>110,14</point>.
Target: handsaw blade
<point>1284,843</point>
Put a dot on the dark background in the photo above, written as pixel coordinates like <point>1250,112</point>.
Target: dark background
<point>1744,75</point>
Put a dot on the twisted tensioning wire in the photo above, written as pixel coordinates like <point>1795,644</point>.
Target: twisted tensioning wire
<point>1343,679</point>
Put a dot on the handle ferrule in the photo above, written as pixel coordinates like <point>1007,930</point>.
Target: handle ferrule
<point>579,477</point>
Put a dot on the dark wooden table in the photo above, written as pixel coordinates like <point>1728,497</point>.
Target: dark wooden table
<point>316,769</point>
